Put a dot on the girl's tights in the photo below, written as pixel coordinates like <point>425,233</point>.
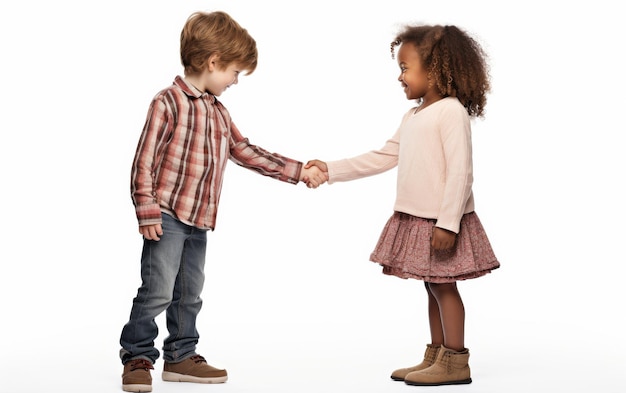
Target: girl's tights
<point>446,315</point>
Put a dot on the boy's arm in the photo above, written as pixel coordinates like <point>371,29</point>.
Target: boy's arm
<point>143,192</point>
<point>253,157</point>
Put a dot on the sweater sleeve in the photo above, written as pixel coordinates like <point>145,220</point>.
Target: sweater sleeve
<point>367,164</point>
<point>457,150</point>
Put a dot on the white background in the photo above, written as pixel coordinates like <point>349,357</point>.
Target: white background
<point>292,303</point>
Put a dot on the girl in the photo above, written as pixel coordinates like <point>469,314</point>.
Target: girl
<point>434,235</point>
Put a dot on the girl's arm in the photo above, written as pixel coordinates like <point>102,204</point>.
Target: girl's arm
<point>367,164</point>
<point>457,150</point>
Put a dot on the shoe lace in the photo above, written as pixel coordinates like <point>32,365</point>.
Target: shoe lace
<point>141,363</point>
<point>198,358</point>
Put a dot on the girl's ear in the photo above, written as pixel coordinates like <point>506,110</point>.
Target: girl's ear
<point>212,62</point>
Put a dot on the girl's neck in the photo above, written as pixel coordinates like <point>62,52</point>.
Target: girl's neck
<point>427,101</point>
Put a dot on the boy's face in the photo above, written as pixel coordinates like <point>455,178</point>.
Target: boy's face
<point>219,79</point>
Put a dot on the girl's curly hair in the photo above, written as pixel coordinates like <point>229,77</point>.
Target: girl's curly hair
<point>456,63</point>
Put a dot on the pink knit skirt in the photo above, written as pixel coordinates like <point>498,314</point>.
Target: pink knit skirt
<point>404,250</point>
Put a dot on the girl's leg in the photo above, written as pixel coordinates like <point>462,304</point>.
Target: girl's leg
<point>436,336</point>
<point>451,314</point>
<point>434,318</point>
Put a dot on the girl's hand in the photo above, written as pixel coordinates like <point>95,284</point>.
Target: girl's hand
<point>151,232</point>
<point>442,239</point>
<point>318,163</point>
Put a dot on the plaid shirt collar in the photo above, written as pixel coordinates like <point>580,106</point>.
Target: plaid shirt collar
<point>193,91</point>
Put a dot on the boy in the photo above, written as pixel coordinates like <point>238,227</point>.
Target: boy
<point>175,186</point>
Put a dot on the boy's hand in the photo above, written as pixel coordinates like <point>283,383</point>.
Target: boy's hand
<point>315,173</point>
<point>151,232</point>
<point>442,239</point>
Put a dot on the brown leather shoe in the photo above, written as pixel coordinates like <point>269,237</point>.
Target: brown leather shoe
<point>136,376</point>
<point>193,369</point>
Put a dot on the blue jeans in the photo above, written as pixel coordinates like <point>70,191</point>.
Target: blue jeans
<point>172,277</point>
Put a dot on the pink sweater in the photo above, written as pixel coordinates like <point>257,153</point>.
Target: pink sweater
<point>433,152</point>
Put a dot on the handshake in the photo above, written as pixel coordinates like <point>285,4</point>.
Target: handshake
<point>314,173</point>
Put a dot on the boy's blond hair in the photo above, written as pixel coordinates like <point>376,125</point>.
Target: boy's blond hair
<point>205,34</point>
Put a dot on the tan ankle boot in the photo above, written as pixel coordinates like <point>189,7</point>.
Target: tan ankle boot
<point>429,358</point>
<point>450,368</point>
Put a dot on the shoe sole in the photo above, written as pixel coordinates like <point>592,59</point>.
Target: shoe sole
<point>175,377</point>
<point>137,388</point>
<point>460,382</point>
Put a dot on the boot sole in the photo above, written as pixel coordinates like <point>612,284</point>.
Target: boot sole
<point>460,382</point>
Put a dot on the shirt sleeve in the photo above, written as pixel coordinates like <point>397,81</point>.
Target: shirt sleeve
<point>143,175</point>
<point>255,158</point>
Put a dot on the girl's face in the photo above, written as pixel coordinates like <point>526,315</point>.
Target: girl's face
<point>413,76</point>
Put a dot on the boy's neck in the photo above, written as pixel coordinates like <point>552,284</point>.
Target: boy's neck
<point>196,81</point>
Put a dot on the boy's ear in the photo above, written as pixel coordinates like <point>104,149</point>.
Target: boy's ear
<point>212,62</point>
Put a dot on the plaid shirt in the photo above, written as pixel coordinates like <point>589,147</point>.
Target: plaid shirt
<point>182,153</point>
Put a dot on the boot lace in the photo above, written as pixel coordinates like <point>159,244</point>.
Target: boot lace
<point>431,356</point>
<point>446,361</point>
